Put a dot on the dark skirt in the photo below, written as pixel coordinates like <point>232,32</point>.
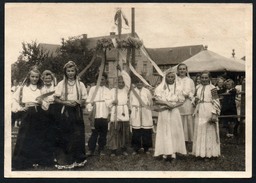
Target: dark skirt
<point>70,142</point>
<point>33,145</point>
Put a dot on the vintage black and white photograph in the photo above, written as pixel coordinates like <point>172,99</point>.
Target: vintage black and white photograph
<point>143,90</point>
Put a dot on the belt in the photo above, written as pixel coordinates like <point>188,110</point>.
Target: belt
<point>31,104</point>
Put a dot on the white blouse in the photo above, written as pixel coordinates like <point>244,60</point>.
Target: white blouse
<point>102,101</point>
<point>46,89</point>
<point>72,91</point>
<point>30,95</point>
<point>187,86</point>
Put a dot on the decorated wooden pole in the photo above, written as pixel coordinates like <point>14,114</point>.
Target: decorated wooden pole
<point>133,35</point>
<point>119,27</point>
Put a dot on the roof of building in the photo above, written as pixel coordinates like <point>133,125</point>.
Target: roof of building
<point>91,43</point>
<point>173,55</point>
<point>52,49</point>
<point>213,62</point>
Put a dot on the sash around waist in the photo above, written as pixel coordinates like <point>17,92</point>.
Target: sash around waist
<point>31,104</point>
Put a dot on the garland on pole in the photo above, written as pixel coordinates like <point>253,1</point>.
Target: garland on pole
<point>108,43</point>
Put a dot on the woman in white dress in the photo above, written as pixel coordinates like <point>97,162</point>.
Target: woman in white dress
<point>186,109</point>
<point>206,141</point>
<point>169,137</point>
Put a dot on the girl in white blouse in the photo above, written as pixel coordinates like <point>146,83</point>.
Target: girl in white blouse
<point>206,142</point>
<point>71,94</point>
<point>30,146</point>
<point>186,109</point>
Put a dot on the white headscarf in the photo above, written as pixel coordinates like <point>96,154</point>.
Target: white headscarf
<point>163,85</point>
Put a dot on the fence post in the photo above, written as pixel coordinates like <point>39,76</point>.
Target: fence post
<point>242,113</point>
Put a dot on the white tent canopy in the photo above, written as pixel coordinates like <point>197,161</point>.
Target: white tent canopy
<point>213,62</point>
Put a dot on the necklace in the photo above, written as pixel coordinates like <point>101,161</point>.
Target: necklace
<point>71,83</point>
<point>34,86</point>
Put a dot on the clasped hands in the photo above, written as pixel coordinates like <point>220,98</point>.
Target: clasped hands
<point>165,104</point>
<point>115,102</point>
<point>214,118</point>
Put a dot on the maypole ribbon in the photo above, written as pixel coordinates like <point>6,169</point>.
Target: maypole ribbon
<point>138,75</point>
<point>152,62</point>
<point>95,92</point>
<point>134,71</point>
<point>88,66</point>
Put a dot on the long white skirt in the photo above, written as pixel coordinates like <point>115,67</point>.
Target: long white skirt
<point>205,142</point>
<point>186,111</point>
<point>170,135</point>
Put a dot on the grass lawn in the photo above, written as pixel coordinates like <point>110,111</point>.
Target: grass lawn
<point>232,159</point>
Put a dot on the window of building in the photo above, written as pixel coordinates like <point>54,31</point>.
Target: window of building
<point>107,67</point>
<point>144,69</point>
<point>124,66</point>
<point>138,53</point>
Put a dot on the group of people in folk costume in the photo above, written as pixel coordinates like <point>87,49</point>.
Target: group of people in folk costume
<point>52,130</point>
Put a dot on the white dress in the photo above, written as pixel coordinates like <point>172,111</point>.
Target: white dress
<point>186,110</point>
<point>141,117</point>
<point>169,137</point>
<point>122,97</point>
<point>206,135</point>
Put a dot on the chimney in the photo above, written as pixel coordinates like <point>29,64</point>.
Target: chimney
<point>84,36</point>
<point>112,33</point>
<point>233,53</point>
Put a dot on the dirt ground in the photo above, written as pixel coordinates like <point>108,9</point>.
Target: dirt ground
<point>232,159</point>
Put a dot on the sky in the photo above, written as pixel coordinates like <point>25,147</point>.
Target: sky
<point>222,27</point>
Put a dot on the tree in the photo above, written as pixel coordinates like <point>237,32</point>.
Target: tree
<point>19,69</point>
<point>33,53</point>
<point>76,49</point>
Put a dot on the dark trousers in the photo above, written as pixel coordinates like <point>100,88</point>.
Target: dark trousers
<point>99,134</point>
<point>141,138</point>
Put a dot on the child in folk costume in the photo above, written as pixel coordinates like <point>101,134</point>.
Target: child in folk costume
<point>169,136</point>
<point>50,109</point>
<point>119,119</point>
<point>71,94</point>
<point>186,109</point>
<point>141,117</point>
<point>206,141</point>
<point>31,146</point>
<point>228,107</point>
<point>99,100</point>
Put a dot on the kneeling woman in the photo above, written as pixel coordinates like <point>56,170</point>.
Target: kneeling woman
<point>169,137</point>
<point>71,94</point>
<point>206,141</point>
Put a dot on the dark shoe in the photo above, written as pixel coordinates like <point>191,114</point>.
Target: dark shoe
<point>90,153</point>
<point>134,153</point>
<point>125,153</point>
<point>102,154</point>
